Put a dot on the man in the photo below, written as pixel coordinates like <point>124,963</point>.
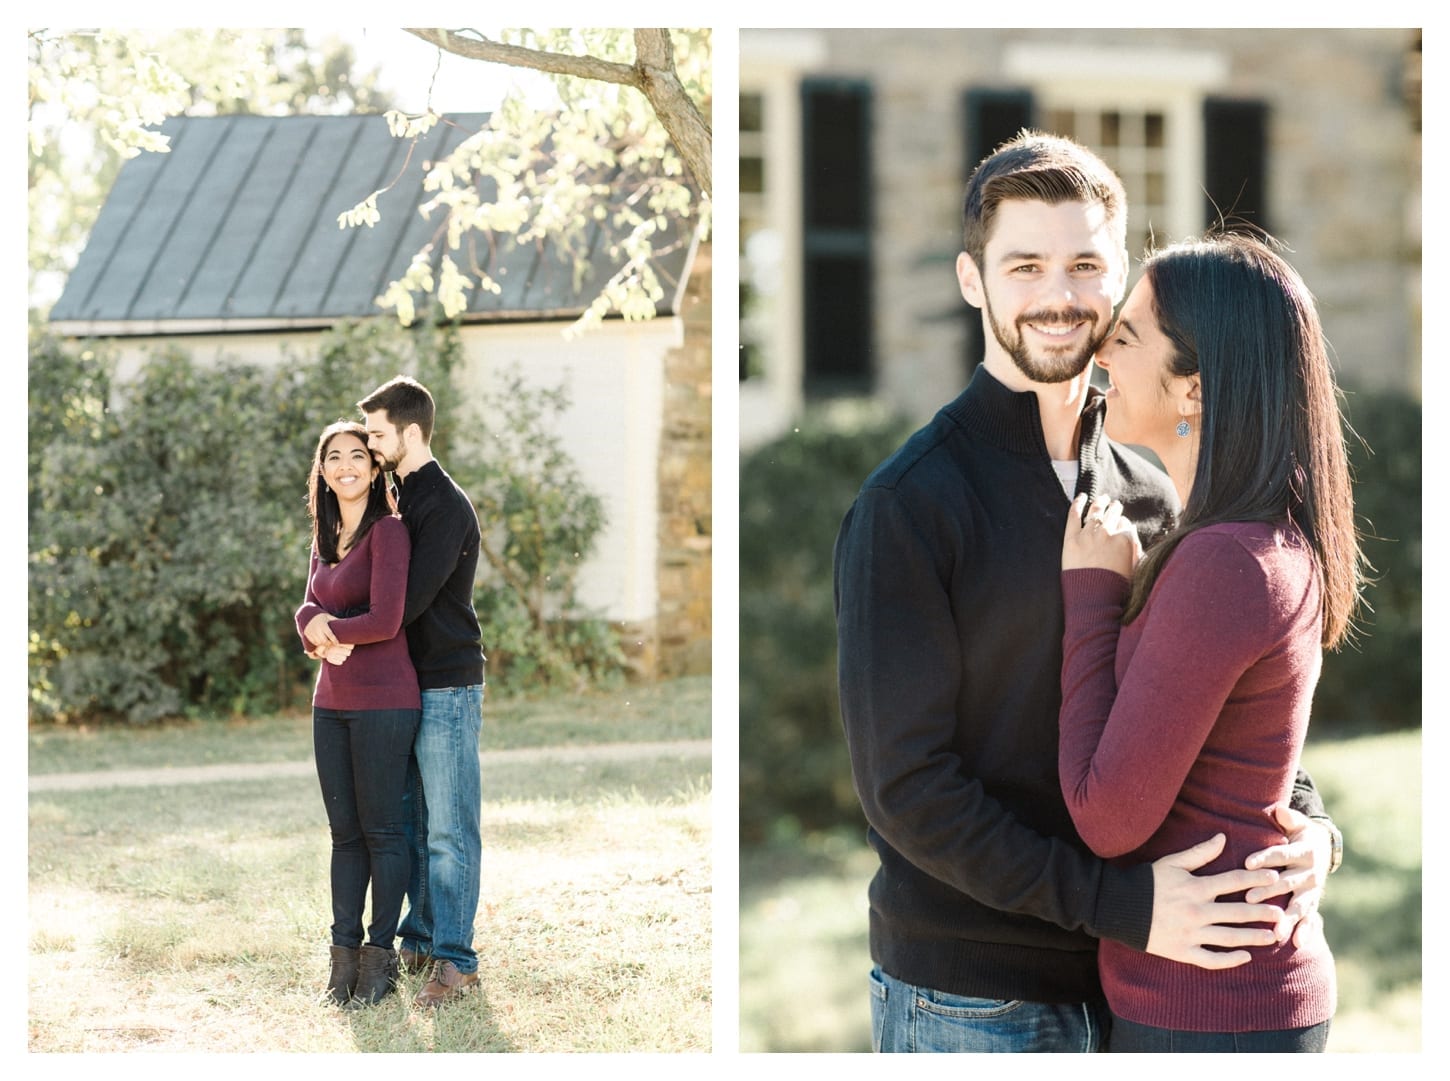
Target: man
<point>444,643</point>
<point>986,909</point>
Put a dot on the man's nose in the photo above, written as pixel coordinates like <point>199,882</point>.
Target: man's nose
<point>1059,286</point>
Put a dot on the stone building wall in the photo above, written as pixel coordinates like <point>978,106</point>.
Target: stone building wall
<point>1343,182</point>
<point>685,529</point>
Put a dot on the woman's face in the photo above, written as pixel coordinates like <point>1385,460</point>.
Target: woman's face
<point>1141,409</point>
<point>347,468</point>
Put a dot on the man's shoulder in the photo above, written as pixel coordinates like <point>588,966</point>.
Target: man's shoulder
<point>435,487</point>
<point>919,461</point>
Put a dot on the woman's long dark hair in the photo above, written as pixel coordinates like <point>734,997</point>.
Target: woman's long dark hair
<point>322,503</point>
<point>1271,438</point>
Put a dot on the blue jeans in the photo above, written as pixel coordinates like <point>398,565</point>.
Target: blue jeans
<point>905,1017</point>
<point>1129,1036</point>
<point>444,799</point>
<point>362,768</point>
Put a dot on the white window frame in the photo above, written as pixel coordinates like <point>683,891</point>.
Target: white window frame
<point>1172,82</point>
<point>772,65</point>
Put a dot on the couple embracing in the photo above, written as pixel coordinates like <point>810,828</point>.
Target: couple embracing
<point>1075,690</point>
<point>398,702</point>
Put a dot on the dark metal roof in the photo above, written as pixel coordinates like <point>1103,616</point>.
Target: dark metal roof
<point>237,229</point>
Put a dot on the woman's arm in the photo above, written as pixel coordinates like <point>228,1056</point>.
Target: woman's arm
<point>310,609</point>
<point>387,587</point>
<point>1126,749</point>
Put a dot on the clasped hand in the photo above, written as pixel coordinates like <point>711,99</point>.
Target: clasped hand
<point>1099,536</point>
<point>1188,917</point>
<point>324,644</point>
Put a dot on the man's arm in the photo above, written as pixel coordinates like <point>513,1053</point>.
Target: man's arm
<point>438,533</point>
<point>899,673</point>
<point>899,660</point>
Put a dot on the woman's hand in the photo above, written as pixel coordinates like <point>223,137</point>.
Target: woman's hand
<point>318,633</point>
<point>333,654</point>
<point>1100,538</point>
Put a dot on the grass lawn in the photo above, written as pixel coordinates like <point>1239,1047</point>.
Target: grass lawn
<point>677,709</point>
<point>804,959</point>
<point>194,917</point>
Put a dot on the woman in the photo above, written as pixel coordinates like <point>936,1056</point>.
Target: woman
<point>366,706</point>
<point>1188,673</point>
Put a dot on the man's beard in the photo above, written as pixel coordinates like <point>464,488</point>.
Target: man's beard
<point>1054,369</point>
<point>388,465</point>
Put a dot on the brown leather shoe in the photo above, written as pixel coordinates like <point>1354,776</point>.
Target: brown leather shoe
<point>447,983</point>
<point>415,961</point>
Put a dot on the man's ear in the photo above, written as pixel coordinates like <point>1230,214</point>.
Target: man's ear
<point>969,279</point>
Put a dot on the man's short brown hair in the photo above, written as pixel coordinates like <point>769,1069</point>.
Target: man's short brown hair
<point>405,401</point>
<point>1048,168</point>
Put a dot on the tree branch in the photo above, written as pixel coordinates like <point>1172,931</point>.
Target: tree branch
<point>655,61</point>
<point>652,74</point>
<point>516,56</point>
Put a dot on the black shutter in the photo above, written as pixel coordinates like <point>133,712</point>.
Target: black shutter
<point>1235,162</point>
<point>836,207</point>
<point>992,117</point>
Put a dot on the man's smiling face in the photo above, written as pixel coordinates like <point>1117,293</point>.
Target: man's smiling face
<point>1051,274</point>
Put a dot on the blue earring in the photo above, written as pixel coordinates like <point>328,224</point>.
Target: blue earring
<point>1182,429</point>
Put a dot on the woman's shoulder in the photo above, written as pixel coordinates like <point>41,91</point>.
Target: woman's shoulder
<point>391,528</point>
<point>1257,540</point>
<point>1247,557</point>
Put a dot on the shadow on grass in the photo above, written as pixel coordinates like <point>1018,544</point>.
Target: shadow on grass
<point>466,1025</point>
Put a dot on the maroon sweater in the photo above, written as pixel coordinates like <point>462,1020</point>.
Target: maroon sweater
<point>1187,722</point>
<point>371,581</point>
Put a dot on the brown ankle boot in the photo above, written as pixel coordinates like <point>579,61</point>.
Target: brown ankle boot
<point>343,978</point>
<point>377,973</point>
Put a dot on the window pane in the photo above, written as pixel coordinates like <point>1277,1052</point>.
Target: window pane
<point>1157,188</point>
<point>1112,124</point>
<point>752,175</point>
<point>1060,122</point>
<point>752,112</point>
<point>1153,127</point>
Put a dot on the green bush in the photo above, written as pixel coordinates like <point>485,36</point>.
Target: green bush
<point>540,522</point>
<point>794,772</point>
<point>1375,684</point>
<point>168,524</point>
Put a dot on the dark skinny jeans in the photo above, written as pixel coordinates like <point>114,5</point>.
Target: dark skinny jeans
<point>1129,1036</point>
<point>362,766</point>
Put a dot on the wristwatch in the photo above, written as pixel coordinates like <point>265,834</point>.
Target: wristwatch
<point>1336,844</point>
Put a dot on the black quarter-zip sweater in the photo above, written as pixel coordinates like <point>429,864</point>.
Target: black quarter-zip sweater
<point>949,620</point>
<point>443,636</point>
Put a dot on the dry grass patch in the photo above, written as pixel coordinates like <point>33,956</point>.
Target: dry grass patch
<point>194,918</point>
